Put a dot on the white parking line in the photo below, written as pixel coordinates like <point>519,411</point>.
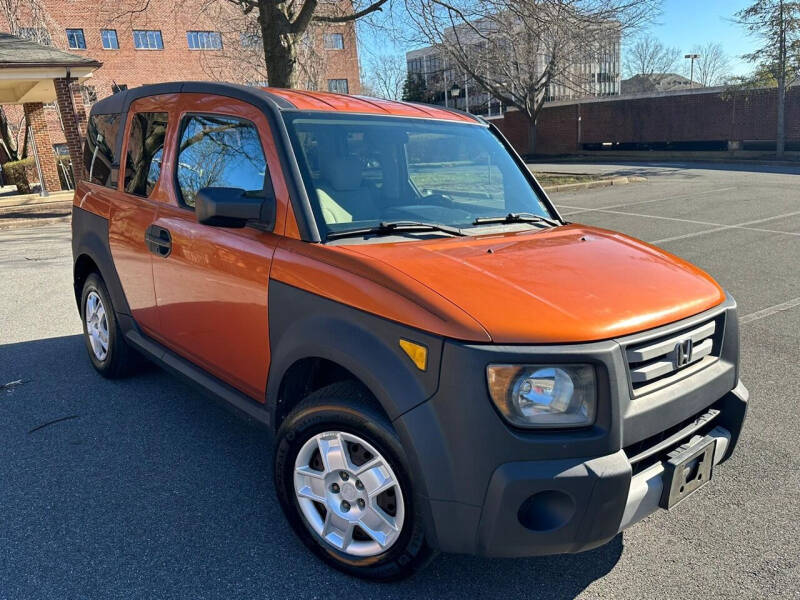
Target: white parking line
<point>745,225</point>
<point>714,226</point>
<point>770,310</point>
<point>684,197</point>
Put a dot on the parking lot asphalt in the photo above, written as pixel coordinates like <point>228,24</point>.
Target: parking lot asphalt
<point>143,488</point>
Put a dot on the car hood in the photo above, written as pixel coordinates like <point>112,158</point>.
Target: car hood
<point>567,284</point>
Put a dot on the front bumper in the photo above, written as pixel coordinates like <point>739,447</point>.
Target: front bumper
<point>565,506</point>
<point>493,490</point>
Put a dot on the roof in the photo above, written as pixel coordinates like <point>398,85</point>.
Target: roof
<point>327,101</point>
<point>284,99</point>
<point>656,82</point>
<point>18,52</point>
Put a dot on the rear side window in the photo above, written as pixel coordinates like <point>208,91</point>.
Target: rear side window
<point>100,148</point>
<point>145,150</point>
<point>219,151</point>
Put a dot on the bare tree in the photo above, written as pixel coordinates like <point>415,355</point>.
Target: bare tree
<point>282,27</point>
<point>776,23</point>
<point>648,56</point>
<point>243,59</point>
<point>28,19</point>
<point>522,51</point>
<point>383,75</point>
<point>713,67</point>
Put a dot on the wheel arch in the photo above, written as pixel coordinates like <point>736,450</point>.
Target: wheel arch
<point>308,375</point>
<point>311,332</point>
<point>84,266</point>
<point>91,253</point>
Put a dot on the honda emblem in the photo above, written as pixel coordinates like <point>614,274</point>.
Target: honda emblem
<point>683,352</point>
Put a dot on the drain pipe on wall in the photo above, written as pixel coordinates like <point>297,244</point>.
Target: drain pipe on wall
<point>42,186</point>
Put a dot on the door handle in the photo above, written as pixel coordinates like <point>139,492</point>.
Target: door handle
<point>158,240</point>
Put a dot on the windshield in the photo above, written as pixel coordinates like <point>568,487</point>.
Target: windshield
<point>361,171</point>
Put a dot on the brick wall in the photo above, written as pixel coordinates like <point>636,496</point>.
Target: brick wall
<point>692,117</point>
<point>72,117</point>
<point>176,62</point>
<point>35,114</point>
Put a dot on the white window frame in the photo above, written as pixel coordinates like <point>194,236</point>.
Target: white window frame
<point>151,36</point>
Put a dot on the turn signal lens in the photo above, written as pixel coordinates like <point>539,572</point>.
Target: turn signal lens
<point>416,352</point>
<point>544,395</point>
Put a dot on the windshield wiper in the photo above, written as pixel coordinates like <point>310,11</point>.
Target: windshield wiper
<point>516,218</point>
<point>390,227</point>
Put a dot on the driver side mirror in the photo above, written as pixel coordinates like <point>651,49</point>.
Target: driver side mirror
<point>233,207</point>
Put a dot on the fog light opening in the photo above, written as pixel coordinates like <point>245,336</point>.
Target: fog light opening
<point>547,510</point>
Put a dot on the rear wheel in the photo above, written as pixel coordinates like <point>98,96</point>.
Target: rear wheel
<point>342,480</point>
<point>110,354</point>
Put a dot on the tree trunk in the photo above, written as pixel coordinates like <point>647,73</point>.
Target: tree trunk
<point>280,47</point>
<point>532,135</point>
<point>7,140</point>
<point>780,138</point>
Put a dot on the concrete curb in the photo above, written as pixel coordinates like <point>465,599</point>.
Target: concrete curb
<point>34,199</point>
<point>29,213</point>
<point>27,222</point>
<point>650,157</point>
<point>595,184</point>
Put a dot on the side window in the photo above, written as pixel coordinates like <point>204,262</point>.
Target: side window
<point>145,147</point>
<point>99,149</point>
<point>219,151</point>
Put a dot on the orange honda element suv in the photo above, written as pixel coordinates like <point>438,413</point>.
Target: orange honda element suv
<point>447,364</point>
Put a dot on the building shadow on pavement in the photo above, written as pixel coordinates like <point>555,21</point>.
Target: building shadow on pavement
<point>661,168</point>
<point>145,488</point>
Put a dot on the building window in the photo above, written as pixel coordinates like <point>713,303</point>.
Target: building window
<point>89,94</point>
<point>334,41</point>
<point>204,40</point>
<point>75,39</point>
<point>144,153</point>
<point>250,40</point>
<point>338,86</point>
<point>118,87</point>
<point>109,37</point>
<point>147,39</point>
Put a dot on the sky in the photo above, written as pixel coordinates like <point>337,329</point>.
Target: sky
<point>683,24</point>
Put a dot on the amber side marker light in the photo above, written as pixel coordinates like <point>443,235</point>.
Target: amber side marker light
<point>416,352</point>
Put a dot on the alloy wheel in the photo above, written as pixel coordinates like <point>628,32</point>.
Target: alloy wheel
<point>96,325</point>
<point>349,494</point>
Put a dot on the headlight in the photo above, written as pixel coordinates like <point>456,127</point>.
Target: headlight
<point>544,395</point>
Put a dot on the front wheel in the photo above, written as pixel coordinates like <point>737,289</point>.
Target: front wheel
<point>342,479</point>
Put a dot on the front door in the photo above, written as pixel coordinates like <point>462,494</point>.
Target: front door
<point>211,282</point>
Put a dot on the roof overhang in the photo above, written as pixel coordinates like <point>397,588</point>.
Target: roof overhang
<point>20,83</point>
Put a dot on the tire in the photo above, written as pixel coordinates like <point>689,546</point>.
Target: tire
<point>345,413</point>
<point>115,358</point>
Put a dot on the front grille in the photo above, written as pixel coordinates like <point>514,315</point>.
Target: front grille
<point>649,451</point>
<point>662,360</point>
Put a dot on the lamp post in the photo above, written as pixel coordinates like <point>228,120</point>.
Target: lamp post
<point>691,69</point>
<point>455,92</point>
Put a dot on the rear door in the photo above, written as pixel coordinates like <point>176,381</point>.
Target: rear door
<point>133,206</point>
<point>211,287</point>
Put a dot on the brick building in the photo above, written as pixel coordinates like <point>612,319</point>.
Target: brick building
<point>177,40</point>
